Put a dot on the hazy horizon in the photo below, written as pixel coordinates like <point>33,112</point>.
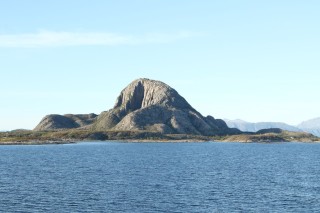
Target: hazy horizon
<point>248,60</point>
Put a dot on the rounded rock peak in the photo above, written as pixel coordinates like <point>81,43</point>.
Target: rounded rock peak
<point>145,92</point>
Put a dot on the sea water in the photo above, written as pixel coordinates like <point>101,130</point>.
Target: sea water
<point>160,177</point>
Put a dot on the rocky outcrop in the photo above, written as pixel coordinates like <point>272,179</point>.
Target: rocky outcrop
<point>68,121</point>
<point>144,105</point>
<point>154,106</point>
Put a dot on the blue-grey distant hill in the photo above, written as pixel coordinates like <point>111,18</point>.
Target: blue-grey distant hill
<point>254,127</point>
<point>312,126</point>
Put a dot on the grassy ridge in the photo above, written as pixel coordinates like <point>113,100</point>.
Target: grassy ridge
<point>81,135</point>
<point>283,136</point>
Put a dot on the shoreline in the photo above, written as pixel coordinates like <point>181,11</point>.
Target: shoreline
<point>37,142</point>
<point>12,143</point>
<point>75,136</point>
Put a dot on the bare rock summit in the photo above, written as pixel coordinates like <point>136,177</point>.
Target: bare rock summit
<point>151,105</point>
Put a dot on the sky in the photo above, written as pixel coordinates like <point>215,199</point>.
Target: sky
<point>250,60</point>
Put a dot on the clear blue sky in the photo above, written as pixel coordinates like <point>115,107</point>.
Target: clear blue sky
<point>254,60</point>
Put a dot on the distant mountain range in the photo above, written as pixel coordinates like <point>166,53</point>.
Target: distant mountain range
<point>254,127</point>
<point>311,126</point>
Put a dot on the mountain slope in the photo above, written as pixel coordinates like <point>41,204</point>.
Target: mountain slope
<point>312,126</point>
<point>68,121</point>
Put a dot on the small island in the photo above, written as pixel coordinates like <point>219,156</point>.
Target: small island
<point>146,110</point>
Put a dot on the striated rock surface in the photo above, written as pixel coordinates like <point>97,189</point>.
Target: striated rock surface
<point>154,106</point>
<point>68,121</point>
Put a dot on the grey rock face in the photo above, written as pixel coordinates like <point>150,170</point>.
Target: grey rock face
<point>144,105</point>
<point>154,106</point>
<point>69,121</point>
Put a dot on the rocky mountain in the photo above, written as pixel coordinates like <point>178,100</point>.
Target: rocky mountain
<point>312,126</point>
<point>145,105</point>
<point>254,127</point>
<point>68,121</point>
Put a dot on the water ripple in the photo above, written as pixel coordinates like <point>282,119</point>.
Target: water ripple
<point>160,177</point>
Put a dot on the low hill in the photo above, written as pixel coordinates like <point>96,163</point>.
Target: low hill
<point>273,135</point>
<point>68,121</point>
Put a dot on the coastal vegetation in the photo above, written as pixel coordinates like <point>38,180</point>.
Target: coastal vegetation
<point>70,136</point>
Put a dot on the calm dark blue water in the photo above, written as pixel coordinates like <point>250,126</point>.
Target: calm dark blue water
<point>160,177</point>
